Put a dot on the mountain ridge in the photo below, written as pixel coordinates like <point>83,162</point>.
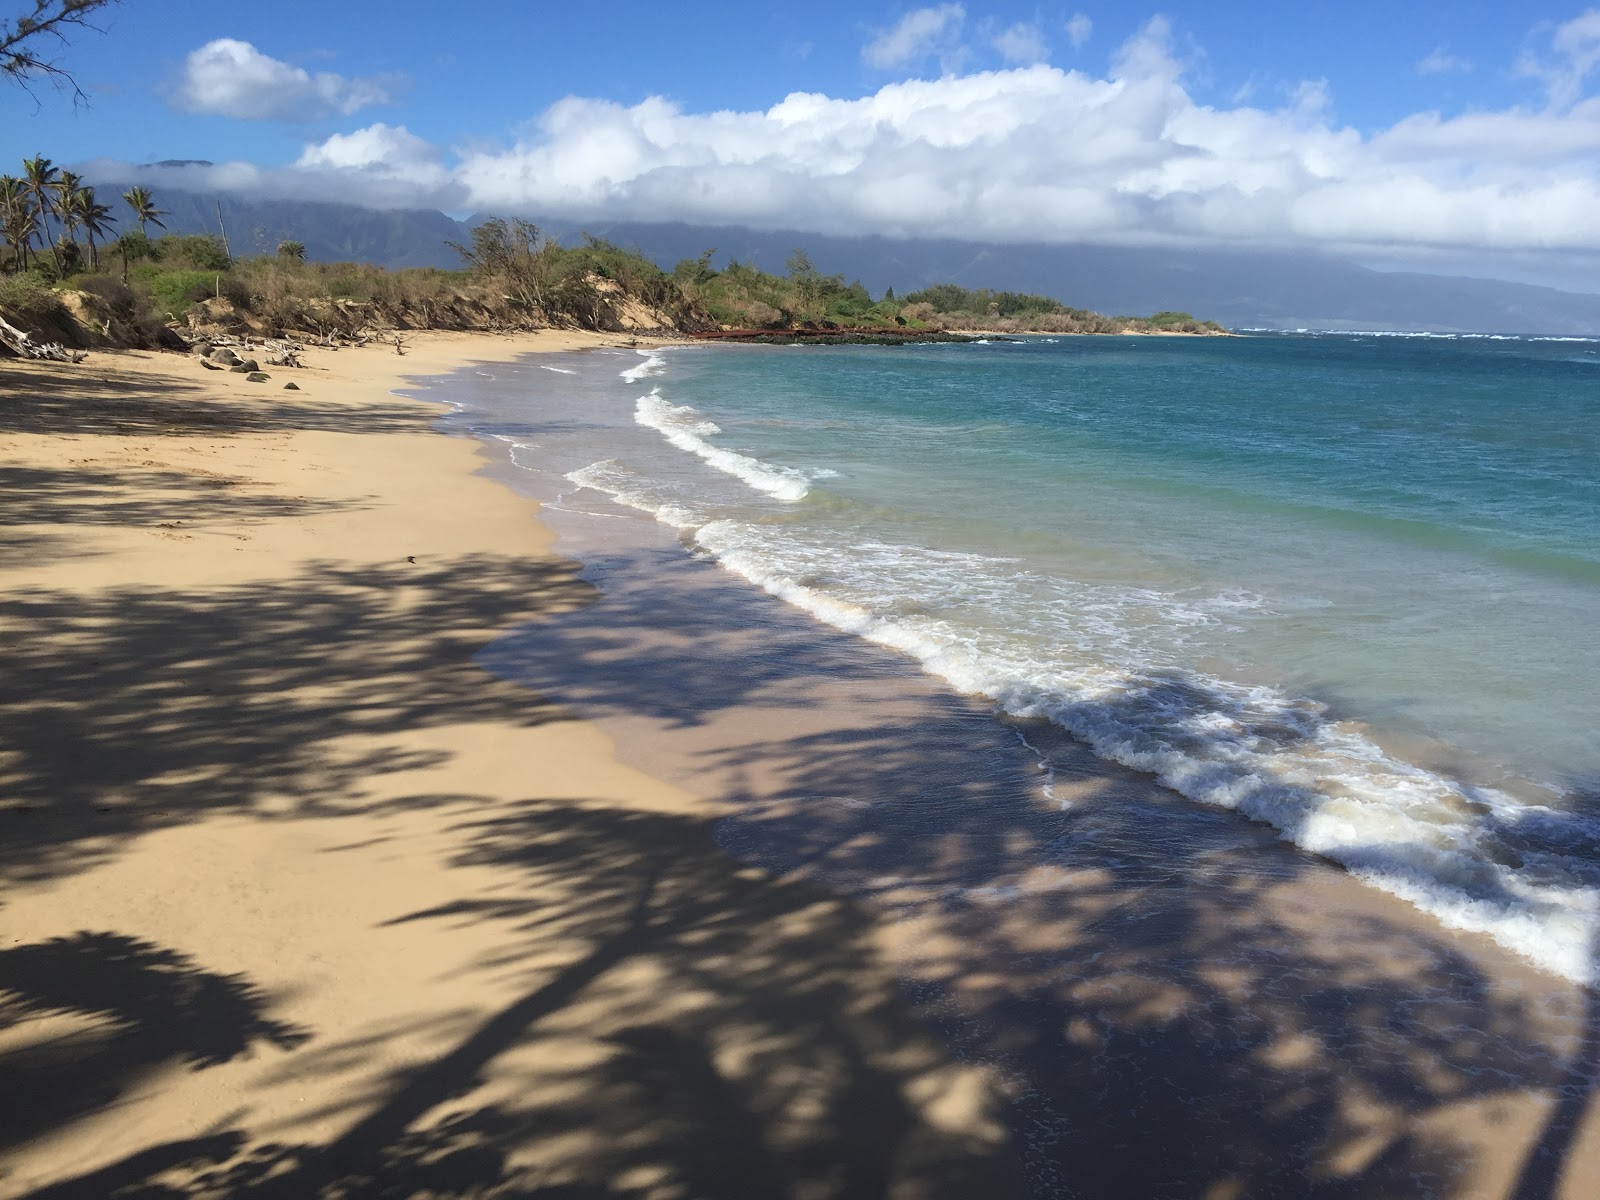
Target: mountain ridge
<point>1241,289</point>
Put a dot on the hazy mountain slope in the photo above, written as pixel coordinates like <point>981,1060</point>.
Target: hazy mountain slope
<point>331,232</point>
<point>1239,289</point>
<point>1286,291</point>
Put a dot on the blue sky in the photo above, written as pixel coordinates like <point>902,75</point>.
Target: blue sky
<point>1419,132</point>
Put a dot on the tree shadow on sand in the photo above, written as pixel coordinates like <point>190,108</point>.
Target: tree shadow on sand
<point>108,402</point>
<point>711,1033</point>
<point>140,709</point>
<point>1177,1003</point>
<point>81,496</point>
<point>119,1008</point>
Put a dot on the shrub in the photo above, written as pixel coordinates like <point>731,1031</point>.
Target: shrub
<point>173,292</point>
<point>28,293</point>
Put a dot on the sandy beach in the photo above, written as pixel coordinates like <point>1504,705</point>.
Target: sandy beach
<point>354,844</point>
<point>295,897</point>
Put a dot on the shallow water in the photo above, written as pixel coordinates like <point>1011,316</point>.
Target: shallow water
<point>1345,585</point>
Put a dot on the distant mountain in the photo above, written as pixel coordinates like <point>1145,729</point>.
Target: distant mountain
<point>331,232</point>
<point>1241,289</point>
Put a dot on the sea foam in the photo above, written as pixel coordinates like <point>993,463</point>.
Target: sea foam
<point>687,429</point>
<point>1083,666</point>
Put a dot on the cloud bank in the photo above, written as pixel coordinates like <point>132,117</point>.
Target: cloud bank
<point>231,78</point>
<point>1030,154</point>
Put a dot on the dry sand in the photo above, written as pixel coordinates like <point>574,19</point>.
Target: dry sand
<point>298,899</point>
<point>294,897</point>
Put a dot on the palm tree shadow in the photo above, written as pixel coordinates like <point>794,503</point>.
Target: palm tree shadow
<point>128,1006</point>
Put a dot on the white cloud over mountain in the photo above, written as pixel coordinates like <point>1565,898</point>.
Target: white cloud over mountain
<point>1035,153</point>
<point>231,78</point>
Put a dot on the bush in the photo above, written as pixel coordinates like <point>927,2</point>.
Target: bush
<point>197,252</point>
<point>28,293</point>
<point>173,292</point>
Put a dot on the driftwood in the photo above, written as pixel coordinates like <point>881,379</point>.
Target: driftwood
<point>22,345</point>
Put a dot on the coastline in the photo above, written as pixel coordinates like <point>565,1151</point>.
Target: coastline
<point>855,769</point>
<point>295,896</point>
<point>429,911</point>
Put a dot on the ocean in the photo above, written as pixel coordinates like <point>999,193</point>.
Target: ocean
<point>1347,585</point>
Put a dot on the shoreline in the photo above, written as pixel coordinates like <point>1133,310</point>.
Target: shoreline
<point>783,773</point>
<point>298,891</point>
<point>297,897</point>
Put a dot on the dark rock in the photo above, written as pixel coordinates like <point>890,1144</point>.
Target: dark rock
<point>291,387</point>
<point>257,376</point>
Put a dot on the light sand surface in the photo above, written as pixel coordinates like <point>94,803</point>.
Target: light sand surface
<point>297,900</point>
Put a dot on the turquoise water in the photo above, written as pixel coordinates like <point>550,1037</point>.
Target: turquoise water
<point>1348,585</point>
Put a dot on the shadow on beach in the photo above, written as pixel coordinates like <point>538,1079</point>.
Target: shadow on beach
<point>702,1031</point>
<point>1174,1002</point>
<point>1136,997</point>
<point>101,401</point>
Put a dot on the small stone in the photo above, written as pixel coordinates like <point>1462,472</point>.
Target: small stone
<point>291,387</point>
<point>258,377</point>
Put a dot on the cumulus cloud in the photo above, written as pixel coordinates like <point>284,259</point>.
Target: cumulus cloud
<point>918,34</point>
<point>1021,43</point>
<point>1442,62</point>
<point>380,158</point>
<point>1079,29</point>
<point>230,78</point>
<point>1028,154</point>
<point>1566,63</point>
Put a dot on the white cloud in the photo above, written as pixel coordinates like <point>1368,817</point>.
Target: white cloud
<point>919,33</point>
<point>1079,30</point>
<point>1021,43</point>
<point>1442,62</point>
<point>1031,154</point>
<point>231,78</point>
<point>1566,64</point>
<point>382,153</point>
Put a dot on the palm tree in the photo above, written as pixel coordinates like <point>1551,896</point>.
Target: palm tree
<point>17,221</point>
<point>144,208</point>
<point>67,186</point>
<point>40,182</point>
<point>93,218</point>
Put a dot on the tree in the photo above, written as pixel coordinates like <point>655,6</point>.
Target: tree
<point>94,219</point>
<point>144,208</point>
<point>25,40</point>
<point>510,252</point>
<point>292,249</point>
<point>66,185</point>
<point>18,221</point>
<point>40,182</point>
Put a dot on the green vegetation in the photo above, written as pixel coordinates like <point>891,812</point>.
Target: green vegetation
<point>512,277</point>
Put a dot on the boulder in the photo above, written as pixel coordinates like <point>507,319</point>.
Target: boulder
<point>258,377</point>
